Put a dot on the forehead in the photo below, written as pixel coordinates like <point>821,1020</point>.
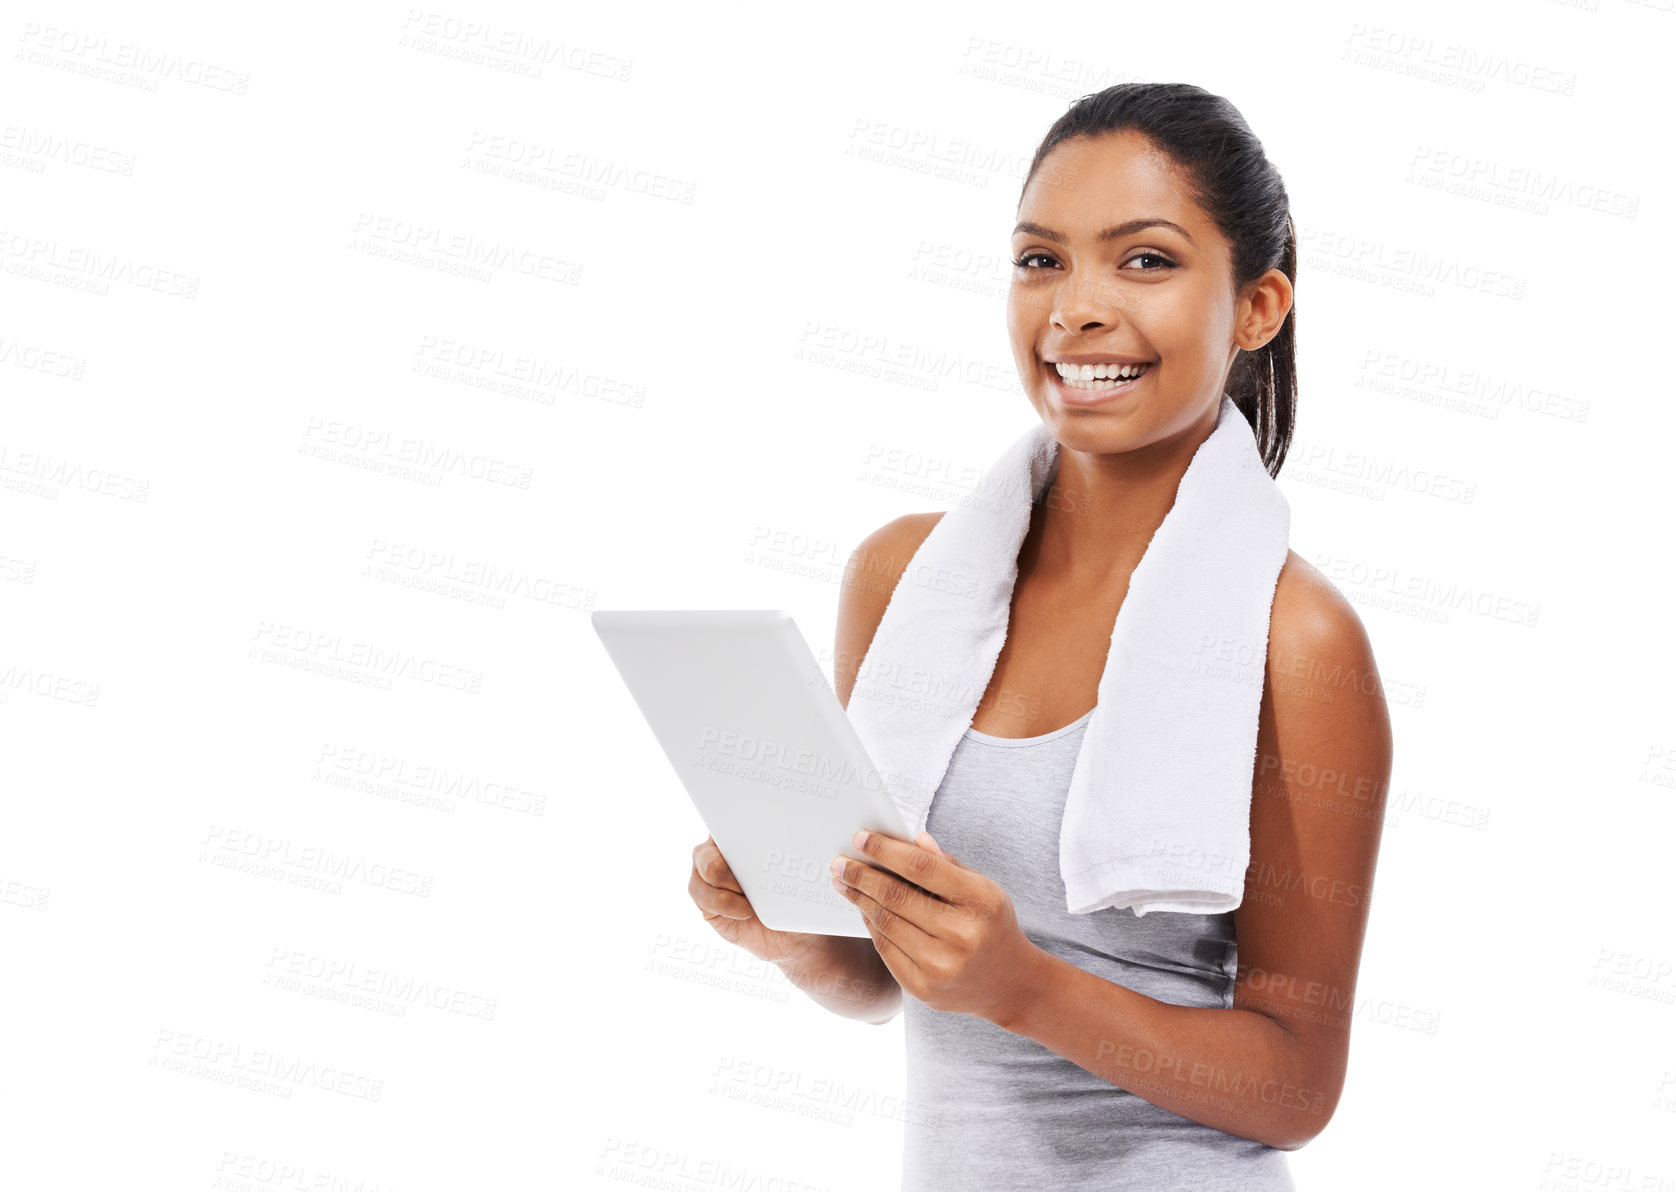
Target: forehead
<point>1088,183</point>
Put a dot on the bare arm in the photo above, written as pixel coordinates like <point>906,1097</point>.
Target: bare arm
<point>846,976</point>
<point>1272,1067</point>
<point>870,577</point>
<point>844,973</point>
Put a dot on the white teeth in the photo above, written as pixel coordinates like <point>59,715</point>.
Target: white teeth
<point>1079,376</point>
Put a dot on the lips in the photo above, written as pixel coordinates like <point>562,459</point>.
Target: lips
<point>1088,374</point>
<point>1093,392</point>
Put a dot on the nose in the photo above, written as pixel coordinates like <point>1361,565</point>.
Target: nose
<point>1081,304</point>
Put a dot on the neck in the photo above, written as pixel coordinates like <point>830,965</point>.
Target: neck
<point>1101,510</point>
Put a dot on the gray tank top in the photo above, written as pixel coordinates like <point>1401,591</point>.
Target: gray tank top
<point>997,1111</point>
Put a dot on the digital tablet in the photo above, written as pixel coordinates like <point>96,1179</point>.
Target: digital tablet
<point>757,736</point>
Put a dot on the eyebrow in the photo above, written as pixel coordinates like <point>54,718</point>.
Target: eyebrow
<point>1111,233</point>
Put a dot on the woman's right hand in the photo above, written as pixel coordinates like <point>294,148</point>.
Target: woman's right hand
<point>718,894</point>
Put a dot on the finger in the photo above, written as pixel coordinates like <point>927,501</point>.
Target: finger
<point>894,910</point>
<point>902,966</point>
<point>926,840</point>
<point>713,867</point>
<point>901,898</point>
<point>713,900</point>
<point>929,871</point>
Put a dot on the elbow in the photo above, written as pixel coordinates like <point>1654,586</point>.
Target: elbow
<point>1308,1100</point>
<point>1308,1118</point>
<point>890,1013</point>
<point>1295,1142</point>
<point>1297,1133</point>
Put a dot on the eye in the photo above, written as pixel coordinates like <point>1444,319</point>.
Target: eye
<point>1162,262</point>
<point>1156,256</point>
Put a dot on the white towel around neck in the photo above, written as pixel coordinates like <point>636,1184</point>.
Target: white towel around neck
<point>1158,814</point>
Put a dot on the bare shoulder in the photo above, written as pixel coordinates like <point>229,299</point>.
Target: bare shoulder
<point>1311,617</point>
<point>869,579</point>
<point>1323,684</point>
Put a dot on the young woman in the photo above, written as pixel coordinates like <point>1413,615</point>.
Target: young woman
<point>1106,1050</point>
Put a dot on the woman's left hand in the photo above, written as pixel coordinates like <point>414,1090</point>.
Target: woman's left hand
<point>947,933</point>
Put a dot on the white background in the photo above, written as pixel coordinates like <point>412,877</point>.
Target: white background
<point>300,527</point>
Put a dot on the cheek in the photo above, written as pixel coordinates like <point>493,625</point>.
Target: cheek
<point>1180,330</point>
<point>1021,324</point>
<point>1018,307</point>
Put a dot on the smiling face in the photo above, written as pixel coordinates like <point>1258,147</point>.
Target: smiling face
<point>1120,265</point>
